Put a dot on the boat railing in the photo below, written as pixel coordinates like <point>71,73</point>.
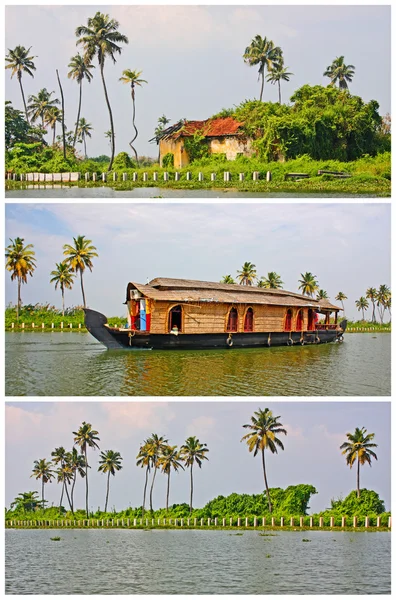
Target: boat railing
<point>324,326</point>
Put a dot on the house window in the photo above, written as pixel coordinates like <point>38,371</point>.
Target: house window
<point>232,322</point>
<point>175,318</point>
<point>248,324</point>
<point>299,320</point>
<point>288,319</point>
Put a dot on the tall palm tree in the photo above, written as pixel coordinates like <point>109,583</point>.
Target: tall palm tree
<point>156,445</point>
<point>79,70</point>
<point>100,38</point>
<point>144,461</point>
<point>84,131</point>
<point>59,456</point>
<point>20,62</point>
<point>388,306</point>
<point>133,78</point>
<point>169,459</point>
<point>65,476</point>
<point>62,277</point>
<point>271,282</point>
<point>248,274</point>
<point>38,106</point>
<point>79,257</point>
<point>358,449</point>
<point>43,470</point>
<point>339,71</point>
<point>322,295</point>
<point>78,465</point>
<point>162,123</point>
<point>264,429</point>
<point>264,53</point>
<point>109,463</point>
<point>192,452</point>
<point>308,284</point>
<point>227,279</point>
<point>362,305</point>
<point>84,437</point>
<point>383,296</point>
<point>52,117</point>
<point>371,294</point>
<point>277,74</point>
<point>21,262</point>
<point>340,298</point>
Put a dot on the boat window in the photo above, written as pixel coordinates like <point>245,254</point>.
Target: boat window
<point>311,319</point>
<point>288,319</point>
<point>175,318</point>
<point>299,320</point>
<point>248,324</point>
<point>232,322</point>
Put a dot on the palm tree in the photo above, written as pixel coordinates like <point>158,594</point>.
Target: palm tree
<point>192,452</point>
<point>60,456</point>
<point>264,53</point>
<point>52,117</point>
<point>38,106</point>
<point>340,298</point>
<point>321,295</point>
<point>362,305</point>
<point>162,123</point>
<point>169,459</point>
<point>156,445</point>
<point>79,70</point>
<point>277,74</point>
<point>62,276</point>
<point>339,71</point>
<point>308,284</point>
<point>388,306</point>
<point>42,470</point>
<point>109,136</point>
<point>110,462</point>
<point>133,78</point>
<point>383,296</point>
<point>371,294</point>
<point>358,448</point>
<point>21,262</point>
<point>20,62</point>
<point>84,131</point>
<point>100,38</point>
<point>28,501</point>
<point>248,274</point>
<point>77,464</point>
<point>84,437</point>
<point>144,460</point>
<point>79,257</point>
<point>271,282</point>
<point>264,429</point>
<point>227,279</point>
<point>65,476</point>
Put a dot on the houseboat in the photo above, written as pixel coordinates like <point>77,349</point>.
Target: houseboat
<point>169,314</point>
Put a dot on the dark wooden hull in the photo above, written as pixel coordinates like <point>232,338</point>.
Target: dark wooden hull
<point>115,339</point>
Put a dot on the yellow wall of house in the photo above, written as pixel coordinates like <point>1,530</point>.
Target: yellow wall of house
<point>230,146</point>
<point>176,148</point>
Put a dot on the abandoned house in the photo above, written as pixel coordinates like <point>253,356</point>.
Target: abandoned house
<point>222,136</point>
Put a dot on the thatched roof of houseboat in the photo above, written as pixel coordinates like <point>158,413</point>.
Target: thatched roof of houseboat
<point>223,126</point>
<point>188,290</point>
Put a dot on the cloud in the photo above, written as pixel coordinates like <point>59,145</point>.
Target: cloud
<point>201,427</point>
<point>125,417</point>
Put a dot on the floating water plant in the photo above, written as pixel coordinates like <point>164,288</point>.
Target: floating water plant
<point>55,539</point>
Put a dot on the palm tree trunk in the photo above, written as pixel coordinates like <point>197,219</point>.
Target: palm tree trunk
<point>110,114</point>
<point>144,492</point>
<point>68,497</point>
<point>82,287</point>
<point>72,492</point>
<point>167,491</point>
<point>63,116</point>
<point>151,490</point>
<point>19,297</point>
<point>86,482</point>
<point>191,487</point>
<point>53,137</point>
<point>265,481</point>
<point>42,491</point>
<point>63,302</point>
<point>85,147</point>
<point>23,97</point>
<point>78,115</point>
<point>373,316</point>
<point>61,498</point>
<point>358,479</point>
<point>107,493</point>
<point>134,126</point>
<point>280,99</point>
<point>262,86</point>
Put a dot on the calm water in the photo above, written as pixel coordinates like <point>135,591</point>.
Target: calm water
<point>151,192</point>
<point>75,364</point>
<point>196,562</point>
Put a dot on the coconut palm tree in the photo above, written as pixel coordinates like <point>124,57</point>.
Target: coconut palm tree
<point>308,284</point>
<point>100,38</point>
<point>62,277</point>
<point>86,437</point>
<point>156,445</point>
<point>84,131</point>
<point>388,306</point>
<point>79,70</point>
<point>43,470</point>
<point>362,305</point>
<point>78,465</point>
<point>383,295</point>
<point>358,449</point>
<point>227,279</point>
<point>277,74</point>
<point>271,282</point>
<point>109,462</point>
<point>144,461</point>
<point>52,117</point>
<point>371,294</point>
<point>247,275</point>
<point>133,78</point>
<point>59,456</point>
<point>21,262</point>
<point>192,452</point>
<point>339,71</point>
<point>169,459</point>
<point>27,501</point>
<point>162,123</point>
<point>264,429</point>
<point>322,295</point>
<point>38,106</point>
<point>20,62</point>
<point>264,53</point>
<point>340,298</point>
<point>79,257</point>
<point>65,477</point>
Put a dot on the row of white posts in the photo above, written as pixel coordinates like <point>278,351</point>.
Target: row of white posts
<point>33,326</point>
<point>68,177</point>
<point>240,522</point>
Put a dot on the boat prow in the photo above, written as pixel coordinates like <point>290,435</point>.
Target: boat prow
<point>96,323</point>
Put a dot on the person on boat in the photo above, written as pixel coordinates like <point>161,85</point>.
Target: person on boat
<point>175,330</point>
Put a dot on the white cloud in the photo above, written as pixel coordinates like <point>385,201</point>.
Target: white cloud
<point>200,427</point>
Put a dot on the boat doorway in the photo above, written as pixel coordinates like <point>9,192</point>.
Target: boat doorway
<point>299,320</point>
<point>175,318</point>
<point>248,325</point>
<point>311,319</point>
<point>288,320</point>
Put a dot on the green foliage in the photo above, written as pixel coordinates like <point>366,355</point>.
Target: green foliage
<point>369,503</point>
<point>168,160</point>
<point>47,314</point>
<point>122,161</point>
<point>196,146</point>
<point>18,130</point>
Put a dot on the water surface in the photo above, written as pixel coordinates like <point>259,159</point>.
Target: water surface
<point>75,364</point>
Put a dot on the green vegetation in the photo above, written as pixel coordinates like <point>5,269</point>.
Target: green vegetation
<point>48,314</point>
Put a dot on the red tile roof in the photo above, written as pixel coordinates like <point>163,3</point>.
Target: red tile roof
<point>209,128</point>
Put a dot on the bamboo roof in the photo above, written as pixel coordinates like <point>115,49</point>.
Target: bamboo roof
<point>188,290</point>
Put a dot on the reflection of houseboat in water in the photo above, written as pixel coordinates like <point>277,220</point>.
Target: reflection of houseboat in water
<point>182,314</point>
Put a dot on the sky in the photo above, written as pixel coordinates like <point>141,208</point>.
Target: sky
<point>347,246</point>
<point>315,431</point>
<point>191,57</point>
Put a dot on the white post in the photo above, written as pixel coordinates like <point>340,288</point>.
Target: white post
<point>378,521</point>
<point>241,176</point>
<point>166,176</point>
<point>134,177</point>
<point>216,522</point>
<point>208,522</point>
<point>367,522</point>
<point>256,175</point>
<point>301,521</point>
<point>32,325</point>
<point>114,176</point>
<point>12,325</point>
<point>263,521</point>
<point>226,176</point>
<point>355,521</point>
<point>389,522</point>
<point>291,522</point>
<point>269,176</point>
<point>145,176</point>
<point>104,177</point>
<point>86,177</point>
<point>273,521</point>
<point>230,521</point>
<point>134,522</point>
<point>42,325</point>
<point>181,522</point>
<point>94,177</point>
<point>155,176</point>
<point>224,522</point>
<point>124,176</point>
<point>202,522</point>
<point>213,177</point>
<point>239,521</point>
<point>331,521</point>
<point>320,521</point>
<point>23,325</point>
<point>177,176</point>
<point>200,176</point>
<point>188,176</point>
<point>282,521</point>
<point>255,522</point>
<point>52,325</point>
<point>311,521</point>
<point>188,522</point>
<point>195,522</point>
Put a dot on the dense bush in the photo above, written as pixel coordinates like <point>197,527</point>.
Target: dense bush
<point>368,503</point>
